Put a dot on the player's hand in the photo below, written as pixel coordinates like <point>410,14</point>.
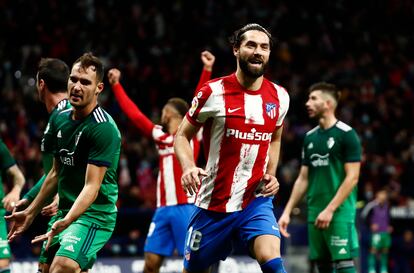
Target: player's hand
<point>20,221</point>
<point>52,208</point>
<point>208,60</point>
<point>11,199</point>
<point>190,180</point>
<point>57,228</point>
<point>270,186</point>
<point>113,76</point>
<point>324,219</point>
<point>21,205</point>
<point>284,221</point>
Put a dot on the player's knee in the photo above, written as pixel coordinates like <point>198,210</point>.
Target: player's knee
<point>152,263</point>
<point>62,265</point>
<point>345,266</point>
<point>4,263</point>
<point>265,248</point>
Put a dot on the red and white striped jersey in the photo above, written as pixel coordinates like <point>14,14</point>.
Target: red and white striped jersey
<point>237,130</point>
<point>169,189</point>
<point>168,193</point>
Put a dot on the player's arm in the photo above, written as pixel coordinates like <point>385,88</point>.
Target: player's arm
<point>208,60</point>
<point>351,179</point>
<point>190,179</point>
<point>93,180</point>
<point>23,219</point>
<point>271,185</point>
<point>299,189</point>
<point>130,109</point>
<point>10,200</point>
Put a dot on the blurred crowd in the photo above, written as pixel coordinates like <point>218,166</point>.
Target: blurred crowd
<point>365,47</point>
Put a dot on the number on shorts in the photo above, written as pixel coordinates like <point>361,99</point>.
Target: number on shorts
<point>194,239</point>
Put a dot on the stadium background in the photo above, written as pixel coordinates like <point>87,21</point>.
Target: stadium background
<point>365,47</point>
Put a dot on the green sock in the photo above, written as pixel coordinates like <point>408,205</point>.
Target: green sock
<point>5,270</point>
<point>371,262</point>
<point>384,262</point>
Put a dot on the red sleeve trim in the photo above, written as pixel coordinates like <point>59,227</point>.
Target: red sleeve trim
<point>132,111</point>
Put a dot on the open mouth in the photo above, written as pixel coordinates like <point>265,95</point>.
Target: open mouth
<point>256,62</point>
<point>75,97</point>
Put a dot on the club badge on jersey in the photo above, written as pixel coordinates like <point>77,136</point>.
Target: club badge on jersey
<point>271,110</point>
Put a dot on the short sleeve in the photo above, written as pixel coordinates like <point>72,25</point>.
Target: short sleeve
<point>352,147</point>
<point>105,143</point>
<point>203,105</point>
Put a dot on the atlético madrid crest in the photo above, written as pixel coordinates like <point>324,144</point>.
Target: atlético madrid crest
<point>271,110</point>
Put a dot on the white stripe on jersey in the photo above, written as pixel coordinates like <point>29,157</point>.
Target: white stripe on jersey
<point>283,103</point>
<point>253,109</point>
<point>170,196</point>
<point>158,190</point>
<point>207,186</point>
<point>62,104</point>
<point>242,173</point>
<point>101,113</point>
<point>343,126</point>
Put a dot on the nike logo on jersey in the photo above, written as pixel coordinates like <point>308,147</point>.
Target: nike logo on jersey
<point>233,110</point>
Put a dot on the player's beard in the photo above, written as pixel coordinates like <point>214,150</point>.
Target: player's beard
<point>249,71</point>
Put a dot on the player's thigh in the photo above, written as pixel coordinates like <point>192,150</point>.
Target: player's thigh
<point>318,246</point>
<point>160,237</point>
<point>46,257</point>
<point>258,229</point>
<point>180,218</point>
<point>209,239</point>
<point>81,241</point>
<point>342,239</point>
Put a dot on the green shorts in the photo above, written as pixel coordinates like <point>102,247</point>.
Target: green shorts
<point>338,242</point>
<point>380,240</point>
<point>5,252</point>
<point>45,257</point>
<point>80,242</point>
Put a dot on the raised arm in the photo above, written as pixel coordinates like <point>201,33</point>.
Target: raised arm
<point>129,108</point>
<point>208,60</point>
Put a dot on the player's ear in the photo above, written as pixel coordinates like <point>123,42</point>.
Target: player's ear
<point>236,51</point>
<point>99,88</point>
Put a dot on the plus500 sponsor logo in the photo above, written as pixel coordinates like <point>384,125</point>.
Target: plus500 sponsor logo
<point>252,135</point>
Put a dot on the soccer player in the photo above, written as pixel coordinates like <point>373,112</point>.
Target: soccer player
<point>329,174</point>
<point>52,80</point>
<point>377,215</point>
<point>242,116</point>
<point>9,167</point>
<point>86,145</point>
<point>169,223</point>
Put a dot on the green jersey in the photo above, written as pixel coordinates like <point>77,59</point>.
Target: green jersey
<point>325,153</point>
<point>47,151</point>
<point>94,140</point>
<point>6,161</point>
